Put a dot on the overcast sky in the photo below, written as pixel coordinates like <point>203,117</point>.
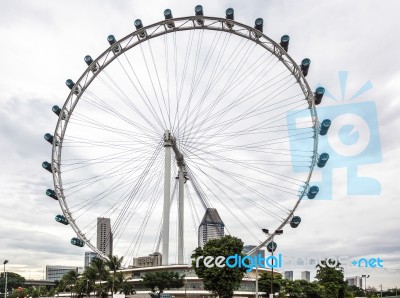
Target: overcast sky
<point>44,42</point>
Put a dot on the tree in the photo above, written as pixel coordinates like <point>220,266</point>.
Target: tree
<point>355,291</point>
<point>127,288</point>
<point>290,288</point>
<point>123,285</point>
<point>19,292</point>
<point>113,263</point>
<point>69,279</point>
<point>311,289</point>
<point>330,276</point>
<point>98,269</point>
<point>162,280</point>
<point>221,281</point>
<point>331,290</point>
<point>81,286</point>
<point>14,280</point>
<point>264,283</point>
<point>90,277</point>
<point>371,292</point>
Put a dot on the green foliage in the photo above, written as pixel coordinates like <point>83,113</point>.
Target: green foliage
<point>332,279</point>
<point>221,281</point>
<point>311,290</point>
<point>14,281</point>
<point>98,271</point>
<point>355,291</point>
<point>126,288</point>
<point>98,268</point>
<point>331,290</point>
<point>291,288</point>
<point>19,293</point>
<point>115,280</point>
<point>264,282</point>
<point>114,263</point>
<point>161,281</point>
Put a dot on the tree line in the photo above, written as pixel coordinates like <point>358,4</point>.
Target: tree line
<point>102,277</point>
<point>222,282</point>
<point>98,279</point>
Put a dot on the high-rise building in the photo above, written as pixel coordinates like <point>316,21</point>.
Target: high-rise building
<point>211,227</point>
<point>104,236</point>
<point>354,281</point>
<point>89,256</point>
<point>54,273</point>
<point>305,275</point>
<point>289,275</point>
<point>151,260</point>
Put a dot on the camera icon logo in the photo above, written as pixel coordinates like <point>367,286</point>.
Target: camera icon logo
<point>352,140</point>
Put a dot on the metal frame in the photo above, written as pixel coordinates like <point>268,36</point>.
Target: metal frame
<point>153,31</point>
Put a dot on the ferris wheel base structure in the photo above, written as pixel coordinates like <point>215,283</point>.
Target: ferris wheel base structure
<point>117,49</point>
<point>170,142</point>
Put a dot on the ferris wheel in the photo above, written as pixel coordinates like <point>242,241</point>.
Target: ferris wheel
<point>192,113</point>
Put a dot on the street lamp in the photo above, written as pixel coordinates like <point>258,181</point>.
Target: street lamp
<point>5,276</point>
<point>365,281</point>
<point>272,249</point>
<point>266,231</point>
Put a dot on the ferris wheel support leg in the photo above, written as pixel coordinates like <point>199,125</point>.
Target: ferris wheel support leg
<point>167,195</point>
<point>181,216</point>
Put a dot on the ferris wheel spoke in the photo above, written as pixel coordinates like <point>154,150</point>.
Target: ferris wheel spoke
<point>261,124</point>
<point>137,238</point>
<point>258,63</point>
<point>192,88</point>
<point>245,164</point>
<point>154,186</point>
<point>122,215</point>
<point>117,206</point>
<point>217,198</point>
<point>166,52</point>
<point>185,111</point>
<point>181,81</point>
<point>121,174</point>
<point>162,121</point>
<point>121,168</point>
<point>280,187</point>
<point>257,170</point>
<point>226,136</point>
<point>141,133</point>
<point>102,106</point>
<point>226,90</point>
<point>224,148</point>
<point>161,89</point>
<point>212,81</point>
<point>235,73</point>
<point>250,112</point>
<point>229,188</point>
<point>116,90</point>
<point>193,210</point>
<point>261,144</point>
<point>218,115</point>
<point>216,75</point>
